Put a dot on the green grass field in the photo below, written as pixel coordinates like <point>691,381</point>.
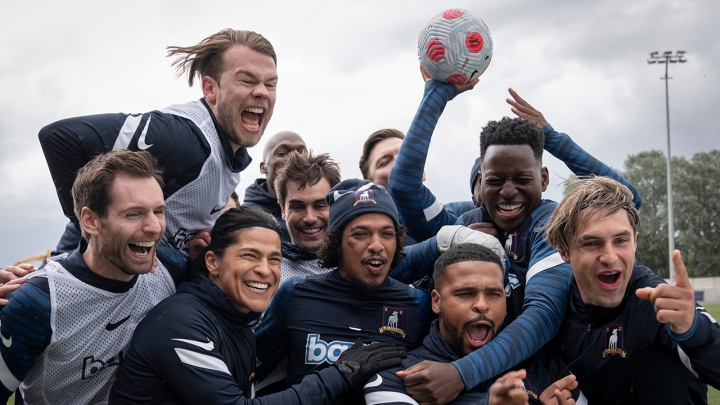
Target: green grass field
<point>713,394</point>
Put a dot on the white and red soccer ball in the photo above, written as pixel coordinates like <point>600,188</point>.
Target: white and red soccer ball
<point>455,47</point>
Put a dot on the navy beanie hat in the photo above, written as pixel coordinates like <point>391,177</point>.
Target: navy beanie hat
<point>354,197</point>
<point>474,173</point>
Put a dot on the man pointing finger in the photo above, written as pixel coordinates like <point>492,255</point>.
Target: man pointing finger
<point>674,304</point>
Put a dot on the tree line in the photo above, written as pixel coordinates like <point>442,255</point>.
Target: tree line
<point>696,210</point>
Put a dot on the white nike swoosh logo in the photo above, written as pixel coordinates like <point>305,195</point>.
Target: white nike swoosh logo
<point>209,345</point>
<point>141,142</point>
<point>6,342</point>
<point>375,383</point>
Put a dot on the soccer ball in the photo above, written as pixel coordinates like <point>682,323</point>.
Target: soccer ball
<point>455,47</point>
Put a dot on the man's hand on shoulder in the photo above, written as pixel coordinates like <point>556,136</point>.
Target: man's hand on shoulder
<point>674,304</point>
<point>430,382</point>
<point>509,390</point>
<point>11,277</point>
<point>523,109</point>
<point>14,272</point>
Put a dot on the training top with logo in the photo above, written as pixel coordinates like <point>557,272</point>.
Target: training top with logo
<point>530,255</point>
<point>200,169</point>
<point>537,282</point>
<point>298,262</point>
<point>419,209</point>
<point>623,355</point>
<point>195,347</point>
<point>314,319</point>
<point>386,388</point>
<point>65,330</point>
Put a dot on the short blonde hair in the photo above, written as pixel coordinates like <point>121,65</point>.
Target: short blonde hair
<point>600,194</point>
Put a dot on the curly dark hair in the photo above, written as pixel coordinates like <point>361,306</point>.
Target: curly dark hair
<point>329,253</point>
<point>512,131</point>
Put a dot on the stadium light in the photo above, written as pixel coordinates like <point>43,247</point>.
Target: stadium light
<point>667,58</point>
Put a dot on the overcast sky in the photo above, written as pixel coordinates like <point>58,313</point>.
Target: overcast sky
<point>349,68</point>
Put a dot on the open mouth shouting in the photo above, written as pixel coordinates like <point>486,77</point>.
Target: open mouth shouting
<point>375,264</point>
<point>141,249</point>
<point>609,279</point>
<point>479,333</point>
<point>252,118</point>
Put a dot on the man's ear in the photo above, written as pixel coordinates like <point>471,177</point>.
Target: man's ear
<point>282,212</point>
<point>263,170</point>
<point>211,262</point>
<point>565,256</point>
<point>424,177</point>
<point>435,296</point>
<point>209,89</point>
<point>90,221</point>
<point>545,177</point>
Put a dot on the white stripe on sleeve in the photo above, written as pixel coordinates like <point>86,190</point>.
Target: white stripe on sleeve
<point>544,264</point>
<point>686,361</point>
<point>202,360</point>
<point>433,210</point>
<point>6,377</point>
<point>127,131</point>
<point>383,397</point>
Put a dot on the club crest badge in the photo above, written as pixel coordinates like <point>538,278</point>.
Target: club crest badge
<point>511,245</point>
<point>393,321</point>
<point>364,196</point>
<point>614,341</point>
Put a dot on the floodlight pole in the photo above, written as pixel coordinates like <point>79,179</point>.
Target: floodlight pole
<point>667,58</point>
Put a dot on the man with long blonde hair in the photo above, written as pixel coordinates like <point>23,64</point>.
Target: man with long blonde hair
<point>201,145</point>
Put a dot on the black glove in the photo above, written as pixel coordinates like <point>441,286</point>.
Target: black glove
<point>358,363</point>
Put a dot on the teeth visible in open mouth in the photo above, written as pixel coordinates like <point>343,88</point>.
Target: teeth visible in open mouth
<point>510,208</point>
<point>311,230</point>
<point>257,286</point>
<point>376,263</point>
<point>256,110</point>
<point>142,248</point>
